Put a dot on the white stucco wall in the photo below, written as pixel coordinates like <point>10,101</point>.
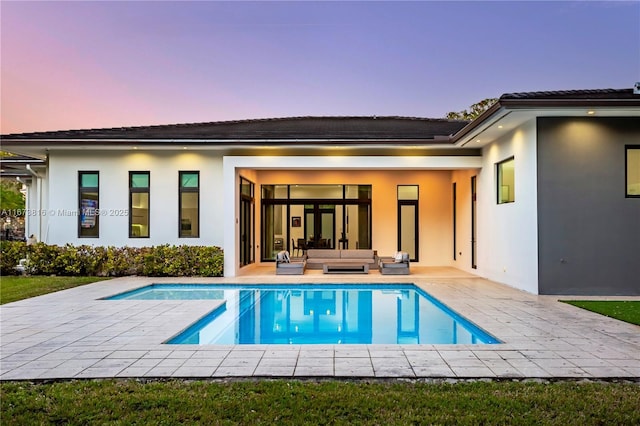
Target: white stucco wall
<point>508,233</point>
<point>114,170</point>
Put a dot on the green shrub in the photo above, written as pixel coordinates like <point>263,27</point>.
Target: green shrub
<point>84,260</point>
<point>12,252</point>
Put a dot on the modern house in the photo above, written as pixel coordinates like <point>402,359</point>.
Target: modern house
<point>541,192</point>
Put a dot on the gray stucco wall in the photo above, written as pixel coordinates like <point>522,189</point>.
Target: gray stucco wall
<point>588,232</point>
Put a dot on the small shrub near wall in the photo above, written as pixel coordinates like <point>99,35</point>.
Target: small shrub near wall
<point>84,260</point>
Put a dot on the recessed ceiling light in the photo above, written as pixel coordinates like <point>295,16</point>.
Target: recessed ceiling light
<point>184,147</point>
<point>500,127</point>
<point>135,147</point>
<point>478,140</point>
<point>591,112</point>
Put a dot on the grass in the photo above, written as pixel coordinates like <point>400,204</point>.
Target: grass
<point>17,288</point>
<point>623,310</point>
<point>321,402</point>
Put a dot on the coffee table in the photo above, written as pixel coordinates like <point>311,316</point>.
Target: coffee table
<point>345,268</point>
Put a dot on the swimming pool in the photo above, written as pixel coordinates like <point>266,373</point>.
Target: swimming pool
<point>317,314</point>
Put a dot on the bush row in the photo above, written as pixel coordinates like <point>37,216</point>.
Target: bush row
<point>157,261</point>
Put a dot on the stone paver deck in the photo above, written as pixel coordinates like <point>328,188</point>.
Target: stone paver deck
<point>73,334</point>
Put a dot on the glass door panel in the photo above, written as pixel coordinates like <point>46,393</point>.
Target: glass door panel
<point>327,228</point>
<point>408,230</point>
<point>274,230</point>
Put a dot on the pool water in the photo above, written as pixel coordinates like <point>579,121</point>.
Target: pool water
<point>317,314</point>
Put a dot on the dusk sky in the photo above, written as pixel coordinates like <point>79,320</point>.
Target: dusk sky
<point>77,65</point>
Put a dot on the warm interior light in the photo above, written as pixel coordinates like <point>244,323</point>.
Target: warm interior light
<point>478,140</point>
<point>591,112</point>
<point>499,127</point>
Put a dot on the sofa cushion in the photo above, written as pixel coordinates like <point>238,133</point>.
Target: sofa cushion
<point>319,260</point>
<point>323,254</point>
<point>401,256</point>
<point>356,254</point>
<point>283,257</point>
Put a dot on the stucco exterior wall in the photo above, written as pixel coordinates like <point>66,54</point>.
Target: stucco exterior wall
<point>507,233</point>
<point>114,170</point>
<point>589,231</point>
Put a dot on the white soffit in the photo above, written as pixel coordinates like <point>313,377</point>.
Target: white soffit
<point>505,121</point>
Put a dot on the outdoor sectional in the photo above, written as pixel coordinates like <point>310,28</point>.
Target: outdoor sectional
<point>316,258</point>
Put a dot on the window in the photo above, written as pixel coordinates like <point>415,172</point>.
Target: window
<point>88,197</point>
<point>633,170</point>
<point>408,215</point>
<point>138,204</point>
<point>303,216</point>
<point>506,181</point>
<point>189,204</point>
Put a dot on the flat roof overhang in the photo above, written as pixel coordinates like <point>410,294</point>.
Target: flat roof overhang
<point>508,114</point>
<point>41,148</point>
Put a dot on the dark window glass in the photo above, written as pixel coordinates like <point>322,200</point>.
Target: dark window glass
<point>88,207</point>
<point>189,205</point>
<point>506,181</point>
<point>633,170</point>
<point>139,204</point>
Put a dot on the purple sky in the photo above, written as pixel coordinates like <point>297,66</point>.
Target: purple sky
<point>73,65</point>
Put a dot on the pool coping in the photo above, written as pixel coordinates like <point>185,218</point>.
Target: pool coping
<point>72,334</point>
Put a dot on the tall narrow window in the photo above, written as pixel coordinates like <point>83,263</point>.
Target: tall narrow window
<point>88,197</point>
<point>189,204</point>
<point>506,181</point>
<point>408,220</point>
<point>138,204</point>
<point>247,221</point>
<point>633,170</point>
<point>454,195</point>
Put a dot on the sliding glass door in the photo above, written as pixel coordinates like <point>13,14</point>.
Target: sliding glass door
<point>299,217</point>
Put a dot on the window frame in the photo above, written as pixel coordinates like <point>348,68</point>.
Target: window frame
<point>499,174</point>
<point>183,190</point>
<point>81,191</point>
<point>139,190</point>
<point>410,202</point>
<point>628,148</point>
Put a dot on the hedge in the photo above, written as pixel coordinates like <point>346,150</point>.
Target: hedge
<point>84,260</point>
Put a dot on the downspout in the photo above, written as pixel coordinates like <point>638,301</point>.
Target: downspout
<point>39,191</point>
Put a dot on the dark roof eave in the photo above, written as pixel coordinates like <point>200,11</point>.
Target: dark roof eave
<point>475,123</point>
<point>575,103</point>
<point>235,143</point>
<point>540,103</point>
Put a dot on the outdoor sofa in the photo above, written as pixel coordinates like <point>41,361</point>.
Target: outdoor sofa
<point>316,258</point>
<point>396,265</point>
<point>286,266</point>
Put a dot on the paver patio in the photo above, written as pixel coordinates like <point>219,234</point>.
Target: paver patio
<point>73,334</point>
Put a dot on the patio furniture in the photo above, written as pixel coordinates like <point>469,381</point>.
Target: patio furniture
<point>296,248</point>
<point>285,266</point>
<point>345,268</point>
<point>316,258</point>
<point>396,265</point>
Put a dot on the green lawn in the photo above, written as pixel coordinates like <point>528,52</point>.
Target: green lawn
<point>318,402</point>
<point>18,288</point>
<point>628,311</point>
